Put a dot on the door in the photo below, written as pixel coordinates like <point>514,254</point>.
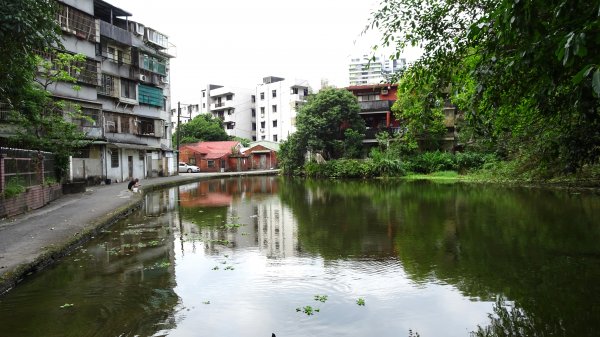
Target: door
<point>130,163</point>
<point>263,162</point>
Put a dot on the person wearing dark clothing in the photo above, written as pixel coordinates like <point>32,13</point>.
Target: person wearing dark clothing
<point>133,183</point>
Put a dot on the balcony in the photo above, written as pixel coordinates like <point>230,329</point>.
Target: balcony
<point>93,132</point>
<point>371,132</point>
<point>221,106</point>
<point>375,106</point>
<point>115,33</point>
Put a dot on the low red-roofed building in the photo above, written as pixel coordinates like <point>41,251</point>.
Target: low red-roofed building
<point>213,156</point>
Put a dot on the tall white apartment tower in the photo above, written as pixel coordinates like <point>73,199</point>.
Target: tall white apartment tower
<point>362,72</point>
<point>277,104</point>
<point>235,107</point>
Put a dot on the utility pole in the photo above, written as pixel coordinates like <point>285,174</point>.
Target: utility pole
<point>178,132</point>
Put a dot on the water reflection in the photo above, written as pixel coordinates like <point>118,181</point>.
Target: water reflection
<point>236,257</point>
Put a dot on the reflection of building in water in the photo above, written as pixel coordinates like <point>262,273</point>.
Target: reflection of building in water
<point>160,202</point>
<point>238,213</point>
<point>277,228</point>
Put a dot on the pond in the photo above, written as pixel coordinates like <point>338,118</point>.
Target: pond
<point>262,255</point>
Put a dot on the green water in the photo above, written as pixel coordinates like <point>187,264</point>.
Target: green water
<point>246,256</point>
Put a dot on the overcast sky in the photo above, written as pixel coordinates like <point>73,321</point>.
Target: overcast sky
<point>238,42</point>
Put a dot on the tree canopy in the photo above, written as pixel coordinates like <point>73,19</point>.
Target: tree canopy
<point>26,27</point>
<point>329,124</point>
<point>525,73</point>
<point>204,127</point>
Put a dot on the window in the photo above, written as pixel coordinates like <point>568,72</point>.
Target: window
<point>253,98</point>
<point>253,126</point>
<point>275,123</point>
<point>141,155</point>
<point>305,92</point>
<point>253,112</point>
<point>229,126</point>
<point>274,138</point>
<point>262,110</point>
<point>274,93</point>
<point>210,163</point>
<point>203,93</point>
<point>107,86</point>
<point>253,138</point>
<point>229,97</point>
<point>274,108</point>
<point>262,125</point>
<point>114,158</point>
<point>262,96</point>
<point>82,153</point>
<point>125,124</point>
<point>203,105</point>
<point>263,137</point>
<point>128,89</point>
<point>111,122</point>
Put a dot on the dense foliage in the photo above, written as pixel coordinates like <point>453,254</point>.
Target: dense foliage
<point>328,124</point>
<point>524,72</point>
<point>204,127</point>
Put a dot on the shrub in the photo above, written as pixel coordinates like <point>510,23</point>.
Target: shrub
<point>13,188</point>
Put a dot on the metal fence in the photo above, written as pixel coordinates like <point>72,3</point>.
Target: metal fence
<point>23,167</point>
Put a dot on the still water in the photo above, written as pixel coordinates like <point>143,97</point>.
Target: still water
<point>255,256</point>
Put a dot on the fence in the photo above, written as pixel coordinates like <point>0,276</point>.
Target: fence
<point>25,167</point>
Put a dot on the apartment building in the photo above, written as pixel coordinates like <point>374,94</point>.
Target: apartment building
<point>277,103</point>
<point>366,70</point>
<point>124,89</point>
<point>266,112</point>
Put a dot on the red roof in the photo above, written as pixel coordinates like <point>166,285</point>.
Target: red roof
<point>372,86</point>
<point>213,150</point>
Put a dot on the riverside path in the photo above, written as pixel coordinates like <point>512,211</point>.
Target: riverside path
<point>32,241</point>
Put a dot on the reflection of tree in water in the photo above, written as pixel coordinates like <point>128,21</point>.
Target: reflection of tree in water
<point>509,320</point>
<point>538,248</point>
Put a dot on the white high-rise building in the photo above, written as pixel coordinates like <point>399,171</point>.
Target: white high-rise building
<point>234,106</point>
<point>366,70</point>
<point>277,104</point>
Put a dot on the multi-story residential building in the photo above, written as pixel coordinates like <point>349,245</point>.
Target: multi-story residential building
<point>366,70</point>
<point>376,102</point>
<point>124,89</point>
<point>266,112</point>
<point>277,103</point>
<point>235,107</point>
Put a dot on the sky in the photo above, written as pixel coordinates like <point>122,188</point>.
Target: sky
<point>238,42</point>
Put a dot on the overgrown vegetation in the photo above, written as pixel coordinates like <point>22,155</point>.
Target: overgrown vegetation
<point>524,74</point>
<point>13,188</point>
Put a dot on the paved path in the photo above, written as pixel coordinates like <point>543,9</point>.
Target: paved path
<point>31,241</point>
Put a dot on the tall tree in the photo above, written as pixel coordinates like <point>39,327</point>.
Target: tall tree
<point>330,124</point>
<point>26,27</point>
<point>535,80</point>
<point>204,127</point>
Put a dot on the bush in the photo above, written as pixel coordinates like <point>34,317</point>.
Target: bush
<point>431,162</point>
<point>13,188</point>
<point>466,161</point>
<point>340,168</point>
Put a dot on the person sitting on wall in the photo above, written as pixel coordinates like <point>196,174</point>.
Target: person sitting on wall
<point>133,183</point>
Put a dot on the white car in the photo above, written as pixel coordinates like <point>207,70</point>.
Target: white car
<point>183,167</point>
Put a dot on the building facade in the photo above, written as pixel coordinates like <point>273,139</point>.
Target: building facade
<point>266,112</point>
<point>368,70</point>
<point>376,102</point>
<point>124,89</point>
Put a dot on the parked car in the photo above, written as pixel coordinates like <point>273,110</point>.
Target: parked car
<point>183,167</point>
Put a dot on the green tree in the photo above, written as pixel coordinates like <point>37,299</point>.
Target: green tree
<point>204,127</point>
<point>44,123</point>
<point>419,109</point>
<point>329,124</point>
<point>26,27</point>
<point>534,86</point>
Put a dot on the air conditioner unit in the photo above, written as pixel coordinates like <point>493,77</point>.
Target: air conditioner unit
<point>139,29</point>
<point>384,91</point>
<point>143,77</point>
<point>164,79</point>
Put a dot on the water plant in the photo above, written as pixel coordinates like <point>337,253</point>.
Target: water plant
<point>360,301</point>
<point>66,305</point>
<point>206,302</point>
<point>321,298</point>
<point>215,268</point>
<point>229,268</point>
<point>308,310</point>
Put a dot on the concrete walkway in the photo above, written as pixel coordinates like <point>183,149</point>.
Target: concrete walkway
<point>34,240</point>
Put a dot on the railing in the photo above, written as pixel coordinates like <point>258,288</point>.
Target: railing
<point>371,133</point>
<point>366,106</point>
<point>115,33</point>
<point>77,22</point>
